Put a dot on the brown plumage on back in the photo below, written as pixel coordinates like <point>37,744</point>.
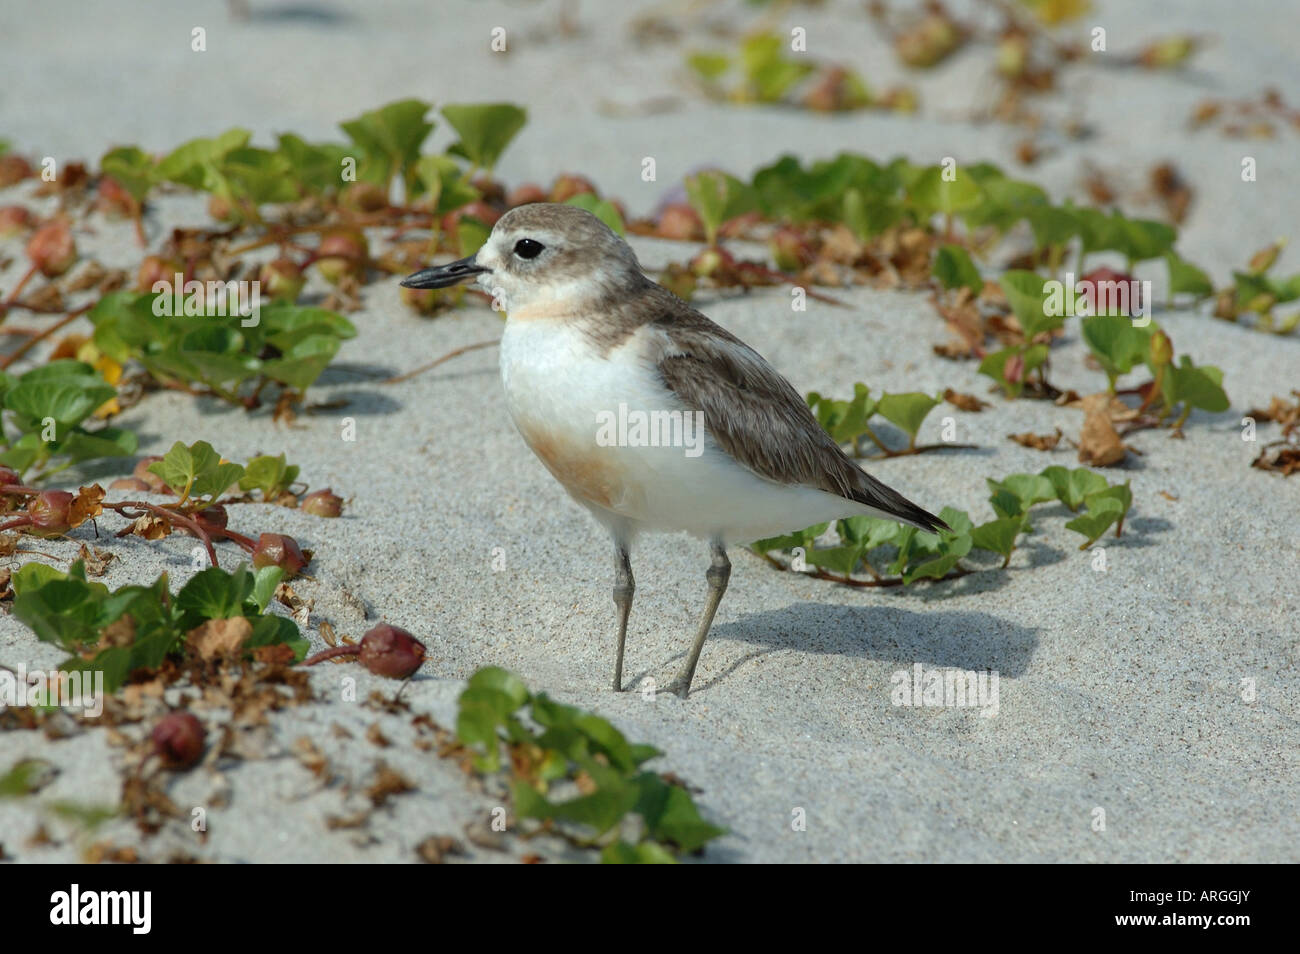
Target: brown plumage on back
<point>754,414</point>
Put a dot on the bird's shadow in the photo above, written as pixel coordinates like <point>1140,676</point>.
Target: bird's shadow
<point>959,639</point>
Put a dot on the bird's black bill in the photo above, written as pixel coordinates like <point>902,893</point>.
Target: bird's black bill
<point>444,276</point>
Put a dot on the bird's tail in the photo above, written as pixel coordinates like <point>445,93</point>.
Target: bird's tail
<point>891,505</point>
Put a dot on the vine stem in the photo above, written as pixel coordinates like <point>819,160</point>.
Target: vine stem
<point>119,507</point>
<point>13,295</point>
<point>446,357</point>
<point>30,343</point>
<point>332,653</point>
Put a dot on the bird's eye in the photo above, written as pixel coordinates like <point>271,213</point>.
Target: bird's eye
<point>528,248</point>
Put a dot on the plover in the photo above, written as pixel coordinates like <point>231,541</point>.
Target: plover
<point>590,340</point>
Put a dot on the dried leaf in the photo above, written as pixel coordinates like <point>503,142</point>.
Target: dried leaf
<point>88,276</point>
<point>219,637</point>
<point>1099,443</point>
<point>388,782</point>
<point>1042,442</point>
<point>86,505</point>
<point>434,849</point>
<point>965,402</point>
<point>151,527</point>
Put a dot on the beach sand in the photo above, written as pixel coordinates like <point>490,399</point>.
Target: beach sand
<point>1120,691</point>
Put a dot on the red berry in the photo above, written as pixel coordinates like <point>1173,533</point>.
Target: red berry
<point>323,503</point>
<point>212,518</point>
<point>148,477</point>
<point>276,549</point>
<point>679,221</point>
<point>567,186</point>
<point>155,269</point>
<point>1095,296</point>
<point>178,739</point>
<point>282,279</point>
<point>52,249</point>
<point>342,252</point>
<point>15,219</point>
<point>129,483</point>
<point>50,510</point>
<point>525,194</point>
<point>13,169</point>
<point>363,197</point>
<point>389,651</point>
<point>113,200</point>
<point>478,210</point>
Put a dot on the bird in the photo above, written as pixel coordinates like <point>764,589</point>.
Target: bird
<point>650,415</point>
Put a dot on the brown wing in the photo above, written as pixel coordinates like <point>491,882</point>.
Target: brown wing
<point>759,419</point>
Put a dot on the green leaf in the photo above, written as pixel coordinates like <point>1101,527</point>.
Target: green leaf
<point>132,168</point>
<point>503,681</point>
<point>999,536</point>
<point>601,209</point>
<point>317,167</point>
<point>954,269</point>
<point>259,175</point>
<point>1200,387</point>
<point>67,403</point>
<point>671,815</point>
<point>770,75</point>
<point>193,163</point>
<point>28,776</point>
<point>81,445</point>
<point>64,611</point>
<point>1097,231</point>
<point>837,559</point>
<point>32,576</point>
<point>1030,489</point>
<point>844,421</point>
<point>1116,343</point>
<point>803,538</point>
<point>868,217</point>
<point>1122,493</point>
<point>265,581</point>
<point>995,366</point>
<point>271,475</point>
<point>1141,239</point>
<point>718,197</point>
<point>1052,226</point>
<point>1025,293</point>
<point>302,364</point>
<point>390,138</point>
<point>485,130</point>
<point>868,532</point>
<point>932,193</point>
<point>934,569</point>
<point>1186,278</point>
<point>642,853</point>
<point>907,411</point>
<point>709,65</point>
<point>215,594</point>
<point>1097,520</point>
<point>1072,487</point>
<point>444,182</point>
<point>196,471</point>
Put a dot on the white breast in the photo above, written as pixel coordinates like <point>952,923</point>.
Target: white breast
<point>562,395</point>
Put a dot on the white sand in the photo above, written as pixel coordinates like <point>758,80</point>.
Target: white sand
<point>1119,690</point>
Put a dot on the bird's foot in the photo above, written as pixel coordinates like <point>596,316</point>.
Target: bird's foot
<point>680,687</point>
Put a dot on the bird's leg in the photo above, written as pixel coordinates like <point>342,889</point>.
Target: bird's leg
<point>624,586</point>
<point>718,573</point>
